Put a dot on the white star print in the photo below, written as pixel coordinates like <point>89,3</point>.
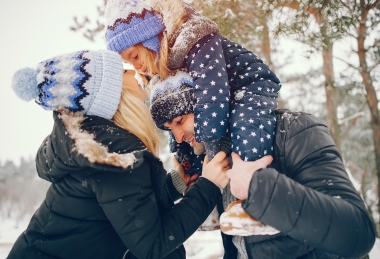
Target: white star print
<point>213,130</point>
<point>214,114</point>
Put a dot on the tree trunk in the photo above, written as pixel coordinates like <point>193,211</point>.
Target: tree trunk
<point>371,97</point>
<point>266,52</point>
<point>331,93</point>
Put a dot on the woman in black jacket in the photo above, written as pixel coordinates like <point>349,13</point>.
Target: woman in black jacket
<point>110,196</point>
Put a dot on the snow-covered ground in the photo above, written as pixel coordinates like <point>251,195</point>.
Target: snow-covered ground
<point>201,245</point>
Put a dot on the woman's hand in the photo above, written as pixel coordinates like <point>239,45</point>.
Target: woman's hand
<point>215,170</point>
<point>241,174</point>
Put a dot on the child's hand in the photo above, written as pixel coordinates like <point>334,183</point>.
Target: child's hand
<point>186,178</point>
<point>242,172</point>
<point>215,170</point>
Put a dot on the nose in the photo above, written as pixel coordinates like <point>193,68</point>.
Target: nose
<point>136,64</point>
<point>178,135</point>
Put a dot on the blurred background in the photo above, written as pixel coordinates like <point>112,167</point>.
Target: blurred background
<point>326,54</point>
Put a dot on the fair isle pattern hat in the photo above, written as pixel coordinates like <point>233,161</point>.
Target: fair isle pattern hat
<point>89,82</point>
<point>130,22</point>
<point>171,97</point>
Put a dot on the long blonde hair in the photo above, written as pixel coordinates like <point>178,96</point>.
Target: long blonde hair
<point>134,116</point>
<point>156,64</point>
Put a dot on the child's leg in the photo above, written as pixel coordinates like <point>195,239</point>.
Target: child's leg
<point>252,130</point>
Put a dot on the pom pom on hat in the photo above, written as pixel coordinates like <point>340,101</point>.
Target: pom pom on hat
<point>89,82</point>
<point>24,84</point>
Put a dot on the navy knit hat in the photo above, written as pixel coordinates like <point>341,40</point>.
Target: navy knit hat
<point>171,97</point>
<point>89,82</point>
<point>130,22</point>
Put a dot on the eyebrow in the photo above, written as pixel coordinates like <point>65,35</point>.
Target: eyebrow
<point>169,121</point>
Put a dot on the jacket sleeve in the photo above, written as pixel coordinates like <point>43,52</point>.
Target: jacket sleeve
<point>207,66</point>
<point>148,227</point>
<point>313,200</point>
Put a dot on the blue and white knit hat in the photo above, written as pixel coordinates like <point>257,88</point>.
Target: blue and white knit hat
<point>171,97</point>
<point>130,22</point>
<point>89,82</point>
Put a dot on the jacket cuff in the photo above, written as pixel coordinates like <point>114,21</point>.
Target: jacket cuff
<point>260,192</point>
<point>178,183</point>
<point>207,188</point>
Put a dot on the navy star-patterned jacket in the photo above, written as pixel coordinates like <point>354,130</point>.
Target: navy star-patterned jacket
<point>232,85</point>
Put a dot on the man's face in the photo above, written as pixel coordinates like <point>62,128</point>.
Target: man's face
<point>182,128</point>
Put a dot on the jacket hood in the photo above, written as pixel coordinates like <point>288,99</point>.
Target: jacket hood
<point>69,148</point>
<point>183,30</point>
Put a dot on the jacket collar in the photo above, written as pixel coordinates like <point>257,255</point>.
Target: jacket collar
<point>86,145</point>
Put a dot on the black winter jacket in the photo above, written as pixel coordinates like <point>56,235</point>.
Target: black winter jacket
<point>95,208</point>
<point>308,197</point>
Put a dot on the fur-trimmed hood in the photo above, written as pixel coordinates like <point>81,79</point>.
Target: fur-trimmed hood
<point>85,144</point>
<point>183,30</point>
<point>78,142</point>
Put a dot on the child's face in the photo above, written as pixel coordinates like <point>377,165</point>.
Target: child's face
<point>132,55</point>
<point>130,80</point>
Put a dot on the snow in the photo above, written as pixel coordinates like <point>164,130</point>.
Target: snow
<point>201,245</point>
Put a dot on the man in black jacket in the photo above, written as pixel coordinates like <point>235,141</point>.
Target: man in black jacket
<point>306,193</point>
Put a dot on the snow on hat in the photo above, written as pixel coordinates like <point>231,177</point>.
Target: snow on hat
<point>130,22</point>
<point>89,82</point>
<point>171,97</point>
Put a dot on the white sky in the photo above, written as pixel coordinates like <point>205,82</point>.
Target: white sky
<point>32,31</point>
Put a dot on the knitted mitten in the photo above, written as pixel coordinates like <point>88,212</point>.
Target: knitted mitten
<point>216,145</point>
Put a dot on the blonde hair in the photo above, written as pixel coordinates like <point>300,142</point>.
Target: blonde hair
<point>156,64</point>
<point>134,116</point>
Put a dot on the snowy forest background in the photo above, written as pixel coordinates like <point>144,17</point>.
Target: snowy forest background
<point>327,55</point>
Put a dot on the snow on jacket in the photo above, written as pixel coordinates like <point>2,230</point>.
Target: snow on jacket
<point>109,195</point>
<point>308,197</point>
<point>223,72</point>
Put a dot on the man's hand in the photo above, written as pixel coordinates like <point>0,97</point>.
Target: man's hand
<point>241,174</point>
<point>215,170</point>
